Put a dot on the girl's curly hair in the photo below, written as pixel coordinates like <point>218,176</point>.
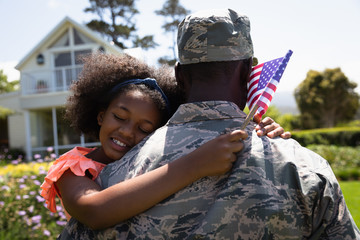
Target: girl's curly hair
<point>101,72</point>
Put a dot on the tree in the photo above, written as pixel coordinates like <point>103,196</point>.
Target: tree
<point>174,13</point>
<point>5,85</point>
<point>117,22</point>
<point>326,98</point>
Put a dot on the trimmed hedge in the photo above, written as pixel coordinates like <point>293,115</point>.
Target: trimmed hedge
<point>345,161</point>
<point>341,136</point>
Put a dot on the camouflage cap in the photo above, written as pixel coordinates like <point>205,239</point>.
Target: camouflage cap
<point>214,35</point>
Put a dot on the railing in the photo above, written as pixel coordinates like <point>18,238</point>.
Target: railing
<point>38,82</point>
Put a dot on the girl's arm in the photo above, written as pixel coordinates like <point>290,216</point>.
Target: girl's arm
<point>85,201</point>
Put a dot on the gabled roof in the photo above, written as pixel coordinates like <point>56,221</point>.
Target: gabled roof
<point>95,36</point>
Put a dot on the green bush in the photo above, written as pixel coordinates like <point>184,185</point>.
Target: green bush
<point>23,214</point>
<point>11,154</point>
<point>341,136</point>
<point>345,161</point>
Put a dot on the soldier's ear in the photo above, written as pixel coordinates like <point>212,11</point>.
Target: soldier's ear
<point>177,74</point>
<point>181,79</point>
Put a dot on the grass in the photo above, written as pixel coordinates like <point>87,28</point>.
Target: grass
<point>351,191</point>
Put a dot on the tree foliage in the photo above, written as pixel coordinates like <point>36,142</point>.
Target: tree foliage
<point>5,85</point>
<point>116,22</point>
<point>174,13</point>
<point>326,98</point>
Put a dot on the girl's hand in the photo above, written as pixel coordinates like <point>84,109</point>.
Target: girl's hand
<point>270,128</point>
<point>217,156</point>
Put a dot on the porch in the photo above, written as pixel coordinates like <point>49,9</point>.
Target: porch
<point>56,80</point>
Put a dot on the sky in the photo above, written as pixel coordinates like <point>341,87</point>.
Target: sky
<point>322,33</point>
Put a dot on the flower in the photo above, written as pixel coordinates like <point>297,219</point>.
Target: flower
<point>22,213</point>
<point>36,219</point>
<point>50,149</point>
<point>40,199</point>
<point>47,232</point>
<point>37,156</point>
<point>31,208</point>
<point>62,215</point>
<point>22,186</point>
<point>2,203</point>
<point>21,180</point>
<point>37,182</point>
<point>6,188</point>
<point>61,223</point>
<point>37,226</point>
<point>59,208</point>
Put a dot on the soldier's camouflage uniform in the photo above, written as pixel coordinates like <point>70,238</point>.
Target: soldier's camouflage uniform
<point>275,190</point>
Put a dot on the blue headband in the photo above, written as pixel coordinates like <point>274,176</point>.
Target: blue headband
<point>150,82</point>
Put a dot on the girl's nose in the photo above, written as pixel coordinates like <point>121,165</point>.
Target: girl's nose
<point>127,131</point>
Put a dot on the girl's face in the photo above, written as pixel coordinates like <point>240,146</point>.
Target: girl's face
<point>129,118</point>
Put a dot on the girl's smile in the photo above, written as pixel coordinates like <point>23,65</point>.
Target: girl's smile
<point>129,118</point>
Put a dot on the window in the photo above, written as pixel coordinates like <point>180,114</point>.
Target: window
<point>78,54</point>
<point>62,41</point>
<point>66,134</point>
<point>63,59</point>
<point>80,38</point>
<point>41,128</point>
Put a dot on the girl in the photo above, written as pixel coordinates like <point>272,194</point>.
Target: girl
<point>116,101</point>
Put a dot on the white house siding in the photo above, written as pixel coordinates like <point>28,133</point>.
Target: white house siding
<point>16,129</point>
<point>16,122</point>
<point>46,100</point>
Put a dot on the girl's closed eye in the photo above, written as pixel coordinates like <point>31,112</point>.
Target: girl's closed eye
<point>147,129</point>
<point>117,117</point>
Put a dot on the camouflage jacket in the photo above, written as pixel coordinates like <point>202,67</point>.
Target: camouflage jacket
<point>276,189</point>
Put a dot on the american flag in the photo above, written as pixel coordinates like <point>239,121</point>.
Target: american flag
<point>263,82</point>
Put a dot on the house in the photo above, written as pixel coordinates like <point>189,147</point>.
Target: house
<point>46,74</point>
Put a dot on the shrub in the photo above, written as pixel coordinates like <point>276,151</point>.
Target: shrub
<point>8,155</point>
<point>341,136</point>
<point>23,214</point>
<point>345,161</point>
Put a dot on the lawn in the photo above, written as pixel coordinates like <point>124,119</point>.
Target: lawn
<point>351,191</point>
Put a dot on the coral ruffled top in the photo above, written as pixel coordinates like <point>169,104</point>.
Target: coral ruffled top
<point>74,160</point>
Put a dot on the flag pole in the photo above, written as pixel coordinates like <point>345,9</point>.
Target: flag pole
<point>249,116</point>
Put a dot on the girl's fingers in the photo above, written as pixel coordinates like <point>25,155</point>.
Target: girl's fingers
<point>266,121</point>
<point>286,135</point>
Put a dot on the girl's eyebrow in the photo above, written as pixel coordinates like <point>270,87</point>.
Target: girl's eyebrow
<point>123,108</point>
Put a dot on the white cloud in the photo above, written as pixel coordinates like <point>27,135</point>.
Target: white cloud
<point>10,71</point>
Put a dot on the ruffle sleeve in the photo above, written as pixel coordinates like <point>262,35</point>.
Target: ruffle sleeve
<point>74,160</point>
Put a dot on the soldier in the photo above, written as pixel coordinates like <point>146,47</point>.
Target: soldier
<point>276,188</point>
